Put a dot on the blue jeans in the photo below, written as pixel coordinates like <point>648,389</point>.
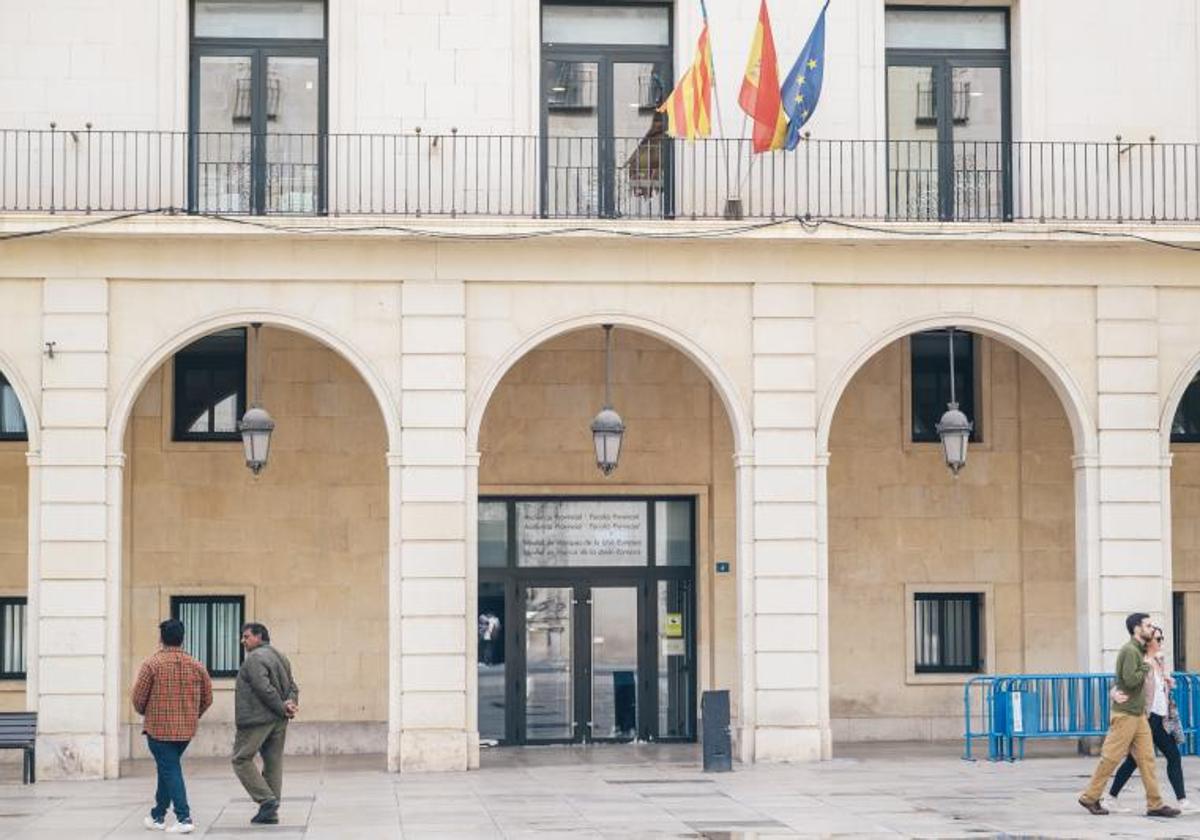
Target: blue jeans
<point>167,755</point>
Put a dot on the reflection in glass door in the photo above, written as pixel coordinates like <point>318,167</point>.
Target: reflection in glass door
<point>913,182</point>
<point>222,151</point>
<point>572,180</point>
<point>293,152</point>
<point>549,664</point>
<point>640,147</point>
<point>614,666</point>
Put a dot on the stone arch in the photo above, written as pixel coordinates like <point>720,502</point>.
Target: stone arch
<point>33,424</point>
<point>118,421</point>
<point>742,429</point>
<point>1078,416</point>
<point>127,393</point>
<point>1170,403</point>
<point>1057,374</point>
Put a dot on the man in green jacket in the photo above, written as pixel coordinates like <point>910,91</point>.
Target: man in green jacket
<point>1127,725</point>
<point>266,698</point>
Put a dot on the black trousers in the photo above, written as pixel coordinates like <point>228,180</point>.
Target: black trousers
<point>1170,750</point>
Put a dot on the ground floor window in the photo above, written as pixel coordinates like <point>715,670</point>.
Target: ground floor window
<point>586,619</point>
<point>12,638</point>
<point>947,631</point>
<point>212,630</point>
<point>12,419</point>
<point>931,381</point>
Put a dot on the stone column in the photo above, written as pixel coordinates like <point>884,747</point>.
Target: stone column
<point>434,731</point>
<point>1130,483</point>
<point>74,646</point>
<point>33,462</point>
<point>788,721</point>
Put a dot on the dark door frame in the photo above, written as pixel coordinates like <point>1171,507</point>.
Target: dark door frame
<point>943,62</point>
<point>582,579</point>
<point>604,56</point>
<point>259,51</point>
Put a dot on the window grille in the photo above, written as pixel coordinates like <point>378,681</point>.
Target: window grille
<point>12,638</point>
<point>212,627</point>
<point>946,632</point>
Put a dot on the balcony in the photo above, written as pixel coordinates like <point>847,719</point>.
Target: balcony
<point>645,178</point>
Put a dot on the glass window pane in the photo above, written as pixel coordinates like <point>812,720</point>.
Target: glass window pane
<point>572,132</point>
<point>639,137</point>
<point>931,381</point>
<point>549,663</point>
<point>646,25</point>
<point>223,144</point>
<point>1186,425</point>
<point>583,533</point>
<point>912,143</point>
<point>194,616</point>
<point>12,419</point>
<point>673,533</point>
<point>947,30</point>
<point>260,19</point>
<point>293,88</point>
<point>493,534</point>
<point>614,662</point>
<point>490,661</point>
<point>674,683</point>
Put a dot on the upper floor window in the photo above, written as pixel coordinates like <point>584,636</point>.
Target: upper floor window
<point>606,67</point>
<point>12,419</point>
<point>258,109</point>
<point>949,129</point>
<point>931,381</point>
<point>210,387</point>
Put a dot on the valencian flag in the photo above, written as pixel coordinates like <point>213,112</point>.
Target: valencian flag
<point>690,104</point>
<point>759,96</point>
<point>802,88</point>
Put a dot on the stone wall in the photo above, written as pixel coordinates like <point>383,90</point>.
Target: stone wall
<point>535,438</point>
<point>897,519</point>
<point>305,542</point>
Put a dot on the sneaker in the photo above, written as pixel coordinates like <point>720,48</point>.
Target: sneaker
<point>182,828</point>
<point>1093,807</point>
<point>1187,807</point>
<point>1163,811</point>
<point>154,825</point>
<point>268,813</point>
<point>1112,804</point>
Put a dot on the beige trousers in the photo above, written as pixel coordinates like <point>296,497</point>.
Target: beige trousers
<point>1127,734</point>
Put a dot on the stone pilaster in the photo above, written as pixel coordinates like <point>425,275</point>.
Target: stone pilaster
<point>433,610</point>
<point>74,644</point>
<point>787,578</point>
<point>1130,462</point>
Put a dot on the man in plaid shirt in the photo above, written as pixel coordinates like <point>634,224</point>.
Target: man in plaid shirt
<point>171,693</point>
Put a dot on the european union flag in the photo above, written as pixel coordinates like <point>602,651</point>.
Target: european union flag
<point>801,88</point>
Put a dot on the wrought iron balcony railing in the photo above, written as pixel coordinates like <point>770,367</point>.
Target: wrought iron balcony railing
<point>421,174</point>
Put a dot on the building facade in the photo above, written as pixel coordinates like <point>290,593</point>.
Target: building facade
<point>401,227</point>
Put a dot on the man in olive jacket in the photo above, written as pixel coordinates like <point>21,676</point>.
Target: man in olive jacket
<point>1127,725</point>
<point>265,700</point>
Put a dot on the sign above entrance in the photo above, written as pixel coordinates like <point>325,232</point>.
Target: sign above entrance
<point>582,533</point>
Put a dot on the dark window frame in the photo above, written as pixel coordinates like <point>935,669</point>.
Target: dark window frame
<point>969,397</point>
<point>209,601</point>
<point>1179,630</point>
<point>195,360</point>
<point>943,62</point>
<point>1189,404</point>
<point>259,51</point>
<point>604,56</point>
<point>973,662</point>
<point>7,602</point>
<point>14,436</point>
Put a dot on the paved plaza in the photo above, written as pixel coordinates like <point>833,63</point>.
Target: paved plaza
<point>611,792</point>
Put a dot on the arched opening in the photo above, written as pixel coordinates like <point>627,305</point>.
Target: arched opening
<point>605,605</point>
<point>935,579</point>
<point>1181,440</point>
<point>302,547</point>
<point>16,618</point>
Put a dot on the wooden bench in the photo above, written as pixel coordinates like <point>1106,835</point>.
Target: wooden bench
<point>18,731</point>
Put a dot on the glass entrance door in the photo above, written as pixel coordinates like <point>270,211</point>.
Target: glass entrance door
<point>586,620</point>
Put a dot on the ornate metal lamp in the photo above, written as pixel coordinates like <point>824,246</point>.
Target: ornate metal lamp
<point>256,424</point>
<point>608,429</point>
<point>954,429</point>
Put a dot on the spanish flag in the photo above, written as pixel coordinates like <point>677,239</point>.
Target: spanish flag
<point>759,96</point>
<point>689,105</point>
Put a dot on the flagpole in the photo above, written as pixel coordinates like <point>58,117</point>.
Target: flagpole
<point>716,92</point>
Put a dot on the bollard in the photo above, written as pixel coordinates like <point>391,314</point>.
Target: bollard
<point>714,727</point>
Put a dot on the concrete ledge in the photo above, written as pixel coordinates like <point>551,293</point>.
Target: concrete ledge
<point>303,738</point>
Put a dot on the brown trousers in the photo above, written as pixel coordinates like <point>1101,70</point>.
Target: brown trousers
<point>1127,735</point>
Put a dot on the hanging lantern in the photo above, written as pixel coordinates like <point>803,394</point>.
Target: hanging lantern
<point>608,430</point>
<point>256,424</point>
<point>954,429</point>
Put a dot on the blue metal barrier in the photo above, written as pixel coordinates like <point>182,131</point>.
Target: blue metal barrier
<point>1008,709</point>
